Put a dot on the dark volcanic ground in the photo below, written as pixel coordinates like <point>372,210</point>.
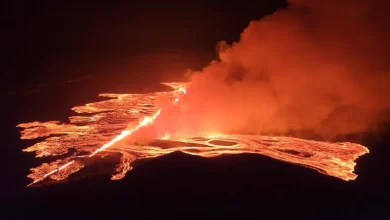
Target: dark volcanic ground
<point>229,185</point>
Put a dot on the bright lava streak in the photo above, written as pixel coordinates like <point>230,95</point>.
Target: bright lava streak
<point>98,132</point>
<point>60,168</point>
<point>126,133</point>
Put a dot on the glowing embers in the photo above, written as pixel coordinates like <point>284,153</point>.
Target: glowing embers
<point>89,137</point>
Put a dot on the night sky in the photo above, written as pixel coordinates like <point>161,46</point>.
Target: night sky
<point>156,41</point>
<point>59,55</point>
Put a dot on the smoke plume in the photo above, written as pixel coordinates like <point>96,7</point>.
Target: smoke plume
<point>319,66</point>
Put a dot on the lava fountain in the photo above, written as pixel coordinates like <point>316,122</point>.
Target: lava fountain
<point>107,125</point>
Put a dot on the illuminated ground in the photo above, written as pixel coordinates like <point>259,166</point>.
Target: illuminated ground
<point>106,124</point>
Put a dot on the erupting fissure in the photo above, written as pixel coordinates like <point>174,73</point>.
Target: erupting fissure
<point>89,135</point>
<point>125,133</point>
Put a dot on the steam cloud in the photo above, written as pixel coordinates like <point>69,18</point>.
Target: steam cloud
<point>321,66</point>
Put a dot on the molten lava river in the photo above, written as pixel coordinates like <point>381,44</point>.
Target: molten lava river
<point>107,122</point>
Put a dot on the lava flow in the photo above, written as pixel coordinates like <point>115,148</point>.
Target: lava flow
<point>87,136</point>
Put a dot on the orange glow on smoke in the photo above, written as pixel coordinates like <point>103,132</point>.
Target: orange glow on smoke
<point>98,132</point>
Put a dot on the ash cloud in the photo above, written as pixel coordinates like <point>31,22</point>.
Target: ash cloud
<point>319,66</point>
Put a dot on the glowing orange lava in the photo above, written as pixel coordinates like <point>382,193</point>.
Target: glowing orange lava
<point>98,132</point>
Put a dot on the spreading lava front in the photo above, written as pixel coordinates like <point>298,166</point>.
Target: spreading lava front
<point>106,124</point>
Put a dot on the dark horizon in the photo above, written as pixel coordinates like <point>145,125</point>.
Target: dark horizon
<point>66,41</point>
